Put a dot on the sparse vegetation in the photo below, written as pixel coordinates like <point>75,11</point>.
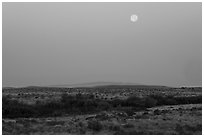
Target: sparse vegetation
<point>81,104</point>
<point>95,125</point>
<point>78,113</point>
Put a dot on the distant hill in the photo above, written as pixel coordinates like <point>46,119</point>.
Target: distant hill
<point>92,84</point>
<point>131,86</point>
<point>96,85</point>
<point>108,85</point>
<point>8,87</point>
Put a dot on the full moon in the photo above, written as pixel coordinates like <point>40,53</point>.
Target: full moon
<point>134,18</point>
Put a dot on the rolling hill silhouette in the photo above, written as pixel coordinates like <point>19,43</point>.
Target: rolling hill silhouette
<point>108,85</point>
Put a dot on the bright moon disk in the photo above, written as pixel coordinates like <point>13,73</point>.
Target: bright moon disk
<point>134,18</point>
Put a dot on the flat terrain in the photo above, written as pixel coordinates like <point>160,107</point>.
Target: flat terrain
<point>179,117</point>
<point>32,94</point>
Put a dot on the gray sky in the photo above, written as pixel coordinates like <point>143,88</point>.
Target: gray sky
<point>69,43</point>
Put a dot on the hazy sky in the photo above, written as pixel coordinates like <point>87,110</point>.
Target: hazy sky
<point>69,43</point>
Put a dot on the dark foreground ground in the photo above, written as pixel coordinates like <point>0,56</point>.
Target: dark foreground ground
<point>109,111</point>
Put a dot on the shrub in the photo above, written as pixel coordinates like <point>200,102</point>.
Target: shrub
<point>157,112</point>
<point>116,102</point>
<point>170,101</point>
<point>189,100</point>
<point>150,102</point>
<point>114,127</point>
<point>83,104</point>
<point>103,105</point>
<point>160,99</point>
<point>128,110</point>
<point>94,125</point>
<point>128,125</point>
<point>135,102</point>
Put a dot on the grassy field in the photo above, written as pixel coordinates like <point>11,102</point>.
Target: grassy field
<point>179,119</point>
<point>74,112</point>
